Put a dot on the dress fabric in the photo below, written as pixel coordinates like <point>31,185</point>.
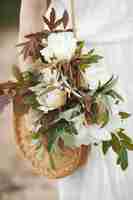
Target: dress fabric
<point>108,27</point>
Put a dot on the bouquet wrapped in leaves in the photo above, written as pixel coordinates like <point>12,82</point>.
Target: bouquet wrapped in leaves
<point>65,103</point>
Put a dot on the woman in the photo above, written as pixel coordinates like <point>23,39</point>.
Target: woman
<point>108,26</point>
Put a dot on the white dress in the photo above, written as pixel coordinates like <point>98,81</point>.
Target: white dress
<point>108,26</point>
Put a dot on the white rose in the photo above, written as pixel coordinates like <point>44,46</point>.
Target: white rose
<point>51,100</point>
<point>60,45</point>
<point>93,75</point>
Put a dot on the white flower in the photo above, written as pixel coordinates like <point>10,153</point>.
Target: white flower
<point>94,133</point>
<point>50,77</point>
<point>93,75</point>
<point>60,45</point>
<point>51,100</point>
<point>89,135</point>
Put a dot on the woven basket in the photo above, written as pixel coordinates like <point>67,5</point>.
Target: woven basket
<point>65,162</point>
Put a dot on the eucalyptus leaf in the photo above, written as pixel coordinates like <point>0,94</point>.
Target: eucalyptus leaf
<point>124,115</point>
<point>118,161</point>
<point>84,66</point>
<point>105,146</point>
<point>31,77</point>
<point>123,156</point>
<point>116,145</point>
<point>115,95</point>
<point>56,131</point>
<point>123,136</point>
<point>128,145</point>
<point>111,82</point>
<point>103,118</point>
<point>31,101</point>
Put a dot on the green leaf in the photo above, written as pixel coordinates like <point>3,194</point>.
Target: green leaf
<point>80,46</point>
<point>31,101</point>
<point>114,95</point>
<point>94,59</point>
<point>55,132</point>
<point>123,156</point>
<point>87,59</point>
<point>124,115</point>
<point>111,82</point>
<point>118,161</point>
<point>58,130</point>
<point>84,66</point>
<point>128,145</point>
<point>123,136</point>
<point>90,59</point>
<point>30,77</point>
<point>105,146</point>
<point>116,146</point>
<point>103,118</point>
<point>94,112</point>
<point>35,136</point>
<point>107,89</point>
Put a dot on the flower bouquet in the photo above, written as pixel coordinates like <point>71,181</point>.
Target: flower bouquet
<point>65,103</point>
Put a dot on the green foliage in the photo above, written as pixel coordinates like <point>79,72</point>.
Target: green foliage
<point>107,89</point>
<point>115,142</point>
<point>80,46</point>
<point>124,115</point>
<point>103,118</point>
<point>58,130</point>
<point>105,146</point>
<point>31,101</point>
<point>87,59</point>
<point>120,144</point>
<point>123,158</point>
<point>123,136</point>
<point>30,77</point>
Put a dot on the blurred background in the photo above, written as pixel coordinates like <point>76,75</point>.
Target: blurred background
<point>16,178</point>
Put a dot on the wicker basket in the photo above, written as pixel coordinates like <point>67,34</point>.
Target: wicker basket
<point>65,162</point>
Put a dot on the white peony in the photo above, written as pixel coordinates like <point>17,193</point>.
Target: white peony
<point>51,100</point>
<point>60,45</point>
<point>93,75</point>
<point>48,92</point>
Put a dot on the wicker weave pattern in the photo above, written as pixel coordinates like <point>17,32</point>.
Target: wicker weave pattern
<point>65,164</point>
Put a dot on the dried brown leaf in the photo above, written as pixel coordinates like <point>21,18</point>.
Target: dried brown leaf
<point>52,16</point>
<point>65,19</point>
<point>32,47</point>
<point>47,22</point>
